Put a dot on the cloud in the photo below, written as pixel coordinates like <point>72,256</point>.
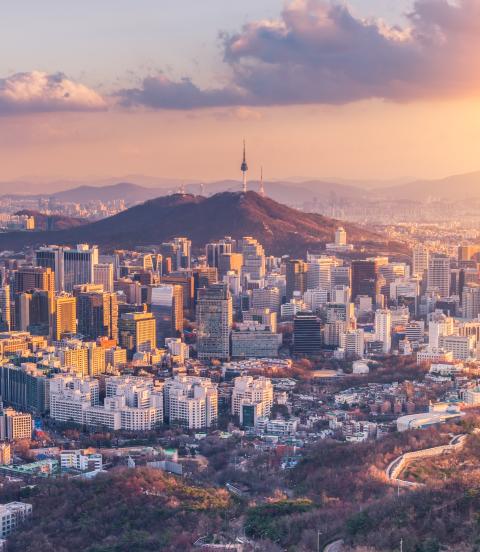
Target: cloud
<point>42,92</point>
<point>319,52</point>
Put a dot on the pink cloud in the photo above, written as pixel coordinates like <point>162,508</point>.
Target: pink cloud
<point>42,92</point>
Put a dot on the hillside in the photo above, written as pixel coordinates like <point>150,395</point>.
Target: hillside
<point>130,193</point>
<point>122,511</point>
<point>56,222</point>
<point>279,228</point>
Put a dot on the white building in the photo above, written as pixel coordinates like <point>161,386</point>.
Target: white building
<point>103,275</point>
<point>353,343</point>
<point>420,260</point>
<point>383,325</point>
<point>248,391</point>
<point>81,460</point>
<point>438,275</point>
<point>191,401</point>
<point>12,515</point>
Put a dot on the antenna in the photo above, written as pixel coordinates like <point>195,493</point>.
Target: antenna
<point>244,168</point>
<point>261,189</point>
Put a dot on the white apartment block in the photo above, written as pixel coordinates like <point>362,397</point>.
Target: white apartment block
<point>252,391</point>
<point>191,401</point>
<point>12,515</point>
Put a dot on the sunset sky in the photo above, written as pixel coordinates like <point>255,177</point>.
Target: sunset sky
<point>359,89</point>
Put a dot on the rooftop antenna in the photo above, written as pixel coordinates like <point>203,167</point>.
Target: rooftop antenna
<point>262,189</point>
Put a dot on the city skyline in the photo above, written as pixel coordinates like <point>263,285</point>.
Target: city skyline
<point>308,83</point>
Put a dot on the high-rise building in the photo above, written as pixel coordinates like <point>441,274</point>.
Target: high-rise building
<point>340,276</point>
<point>12,515</point>
<point>137,332</point>
<point>253,258</point>
<point>64,316</point>
<point>353,342</point>
<point>296,276</point>
<point>191,402</point>
<point>71,266</point>
<point>103,274</point>
<point>471,301</point>
<point>213,251</point>
<point>97,314</point>
<point>307,337</point>
<point>5,312</point>
<point>420,259</point>
<point>365,279</point>
<point>166,305</point>
<point>214,320</point>
<point>15,425</point>
<point>27,278</point>
<point>248,392</point>
<point>319,271</point>
<point>24,387</point>
<point>438,276</point>
<point>383,328</point>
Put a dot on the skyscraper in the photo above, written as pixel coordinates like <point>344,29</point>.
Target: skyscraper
<point>471,301</point>
<point>307,337</point>
<point>5,314</point>
<point>97,314</point>
<point>438,277</point>
<point>64,316</point>
<point>214,320</point>
<point>71,266</point>
<point>27,278</point>
<point>166,303</point>
<point>383,328</point>
<point>137,332</point>
<point>253,258</point>
<point>420,260</point>
<point>296,276</point>
<point>365,279</point>
<point>103,274</point>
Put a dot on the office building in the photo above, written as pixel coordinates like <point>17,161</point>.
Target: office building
<point>64,316</point>
<point>438,274</point>
<point>307,337</point>
<point>28,278</point>
<point>365,279</point>
<point>166,305</point>
<point>103,275</point>
<point>97,314</point>
<point>253,259</point>
<point>296,278</point>
<point>214,322</point>
<point>254,340</point>
<point>471,301</point>
<point>80,460</point>
<point>353,343</point>
<point>319,271</point>
<point>71,266</point>
<point>137,332</point>
<point>5,312</point>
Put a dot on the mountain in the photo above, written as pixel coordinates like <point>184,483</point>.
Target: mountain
<point>130,193</point>
<point>457,187</point>
<point>279,228</point>
<point>55,222</point>
<point>286,192</point>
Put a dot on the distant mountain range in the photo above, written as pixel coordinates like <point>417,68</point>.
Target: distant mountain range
<point>139,188</point>
<point>281,229</point>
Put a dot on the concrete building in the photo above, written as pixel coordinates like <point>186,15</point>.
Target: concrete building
<point>12,515</point>
<point>191,402</point>
<point>438,275</point>
<point>65,316</point>
<point>383,328</point>
<point>214,320</point>
<point>15,425</point>
<point>252,398</point>
<point>103,274</point>
<point>137,332</point>
<point>80,460</point>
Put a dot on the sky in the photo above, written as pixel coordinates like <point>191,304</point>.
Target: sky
<point>357,89</point>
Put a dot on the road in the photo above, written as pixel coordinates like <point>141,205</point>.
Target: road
<point>335,546</point>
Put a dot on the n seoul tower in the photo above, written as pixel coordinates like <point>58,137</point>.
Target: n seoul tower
<point>244,169</point>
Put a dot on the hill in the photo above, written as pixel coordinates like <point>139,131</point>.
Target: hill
<point>279,228</point>
<point>124,510</point>
<point>457,187</point>
<point>54,222</point>
<point>130,193</point>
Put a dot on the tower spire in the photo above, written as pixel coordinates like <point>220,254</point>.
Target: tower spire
<point>244,168</point>
<point>262,189</point>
